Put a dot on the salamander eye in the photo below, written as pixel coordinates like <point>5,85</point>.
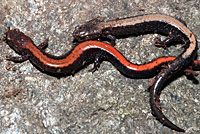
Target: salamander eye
<point>87,37</point>
<point>8,37</point>
<point>82,34</point>
<point>17,30</point>
<point>22,40</point>
<point>77,27</point>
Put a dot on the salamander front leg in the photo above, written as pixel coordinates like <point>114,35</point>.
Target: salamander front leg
<point>18,59</point>
<point>44,44</point>
<point>112,39</point>
<point>97,62</point>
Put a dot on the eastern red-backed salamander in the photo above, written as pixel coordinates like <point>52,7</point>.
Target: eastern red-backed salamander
<point>84,53</point>
<point>154,23</point>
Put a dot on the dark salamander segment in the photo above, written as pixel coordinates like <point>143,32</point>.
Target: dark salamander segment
<point>138,25</point>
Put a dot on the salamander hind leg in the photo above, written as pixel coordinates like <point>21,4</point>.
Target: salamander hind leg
<point>167,41</point>
<point>97,62</point>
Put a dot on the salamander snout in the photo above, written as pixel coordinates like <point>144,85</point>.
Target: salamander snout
<point>17,40</point>
<point>87,31</point>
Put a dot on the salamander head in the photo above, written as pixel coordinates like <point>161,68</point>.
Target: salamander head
<point>17,40</point>
<point>88,31</point>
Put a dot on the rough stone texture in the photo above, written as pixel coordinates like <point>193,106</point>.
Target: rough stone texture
<point>102,102</point>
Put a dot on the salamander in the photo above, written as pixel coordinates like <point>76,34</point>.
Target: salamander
<point>142,24</point>
<point>176,30</point>
<point>83,53</point>
<point>86,52</point>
